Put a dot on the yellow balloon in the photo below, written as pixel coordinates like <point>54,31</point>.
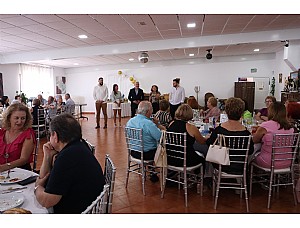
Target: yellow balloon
<point>119,72</point>
<point>131,78</point>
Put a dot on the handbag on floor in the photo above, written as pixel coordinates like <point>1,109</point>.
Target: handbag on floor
<point>160,158</point>
<point>218,154</point>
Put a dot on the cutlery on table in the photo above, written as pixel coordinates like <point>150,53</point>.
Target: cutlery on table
<point>11,190</point>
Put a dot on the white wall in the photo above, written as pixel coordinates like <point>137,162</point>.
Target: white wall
<point>217,78</point>
<point>11,82</point>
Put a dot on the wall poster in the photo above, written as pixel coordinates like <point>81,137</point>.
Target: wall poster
<point>61,85</point>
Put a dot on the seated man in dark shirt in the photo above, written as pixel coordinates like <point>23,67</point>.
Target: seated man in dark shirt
<point>70,177</point>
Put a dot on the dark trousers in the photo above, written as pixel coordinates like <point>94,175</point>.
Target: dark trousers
<point>173,109</point>
<point>134,107</point>
<point>155,106</point>
<point>146,155</point>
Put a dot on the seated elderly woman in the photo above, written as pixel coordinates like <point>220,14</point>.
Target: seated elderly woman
<point>277,124</point>
<point>51,106</point>
<point>213,110</point>
<point>192,102</point>
<point>4,101</point>
<point>183,114</point>
<point>17,139</point>
<point>262,114</point>
<point>163,115</point>
<point>59,104</point>
<point>234,108</point>
<point>34,111</point>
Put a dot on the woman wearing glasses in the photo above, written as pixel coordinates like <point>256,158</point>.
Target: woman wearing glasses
<point>262,115</point>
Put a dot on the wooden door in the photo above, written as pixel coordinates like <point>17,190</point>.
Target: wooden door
<point>245,91</point>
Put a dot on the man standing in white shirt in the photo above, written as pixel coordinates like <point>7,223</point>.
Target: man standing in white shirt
<point>100,95</point>
<point>176,96</point>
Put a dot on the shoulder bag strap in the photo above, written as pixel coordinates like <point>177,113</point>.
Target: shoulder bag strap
<point>162,137</point>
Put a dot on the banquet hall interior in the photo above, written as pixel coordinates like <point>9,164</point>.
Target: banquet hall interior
<point>223,54</point>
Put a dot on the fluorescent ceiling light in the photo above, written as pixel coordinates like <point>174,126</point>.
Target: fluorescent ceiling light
<point>83,36</point>
<point>191,54</point>
<point>75,64</point>
<point>191,25</point>
<point>131,59</point>
<point>256,49</point>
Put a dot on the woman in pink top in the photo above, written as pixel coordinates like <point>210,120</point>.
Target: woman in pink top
<point>277,124</point>
<point>17,139</point>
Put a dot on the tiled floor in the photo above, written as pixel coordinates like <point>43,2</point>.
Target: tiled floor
<point>131,200</point>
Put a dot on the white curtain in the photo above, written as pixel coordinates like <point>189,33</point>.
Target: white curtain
<point>36,80</point>
<point>121,80</point>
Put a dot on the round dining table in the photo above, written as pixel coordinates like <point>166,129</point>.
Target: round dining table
<point>27,193</point>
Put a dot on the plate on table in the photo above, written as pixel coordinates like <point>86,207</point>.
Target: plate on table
<point>11,200</point>
<point>15,177</point>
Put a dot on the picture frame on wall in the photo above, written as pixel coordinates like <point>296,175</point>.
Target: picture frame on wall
<point>280,78</point>
<point>61,85</point>
<point>294,75</point>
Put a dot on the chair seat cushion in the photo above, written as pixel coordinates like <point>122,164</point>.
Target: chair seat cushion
<point>285,170</point>
<point>136,160</point>
<point>228,175</point>
<point>180,169</point>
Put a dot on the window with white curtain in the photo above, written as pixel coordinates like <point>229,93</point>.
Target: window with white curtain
<point>36,80</point>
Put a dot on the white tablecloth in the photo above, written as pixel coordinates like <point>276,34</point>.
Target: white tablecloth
<point>125,107</point>
<point>30,202</point>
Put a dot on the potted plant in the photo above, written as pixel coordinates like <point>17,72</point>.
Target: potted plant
<point>24,99</point>
<point>272,91</point>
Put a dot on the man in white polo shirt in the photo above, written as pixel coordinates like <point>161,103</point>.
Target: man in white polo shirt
<point>100,95</point>
<point>176,96</point>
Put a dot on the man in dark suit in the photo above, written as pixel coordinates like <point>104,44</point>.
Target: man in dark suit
<point>136,95</point>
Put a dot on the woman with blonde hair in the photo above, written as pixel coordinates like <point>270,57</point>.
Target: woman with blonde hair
<point>183,114</point>
<point>213,110</point>
<point>234,108</point>
<point>17,139</point>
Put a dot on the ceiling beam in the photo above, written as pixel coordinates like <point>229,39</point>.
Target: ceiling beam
<point>201,41</point>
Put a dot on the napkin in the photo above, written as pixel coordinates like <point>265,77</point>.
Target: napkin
<point>28,180</point>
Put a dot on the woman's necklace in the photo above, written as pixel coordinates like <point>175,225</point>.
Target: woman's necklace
<point>10,137</point>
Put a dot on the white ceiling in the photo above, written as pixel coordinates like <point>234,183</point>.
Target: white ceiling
<point>52,39</point>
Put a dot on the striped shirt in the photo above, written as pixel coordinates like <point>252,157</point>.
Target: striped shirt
<point>163,117</point>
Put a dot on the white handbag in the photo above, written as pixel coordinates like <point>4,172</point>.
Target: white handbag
<point>218,154</point>
<point>160,158</point>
